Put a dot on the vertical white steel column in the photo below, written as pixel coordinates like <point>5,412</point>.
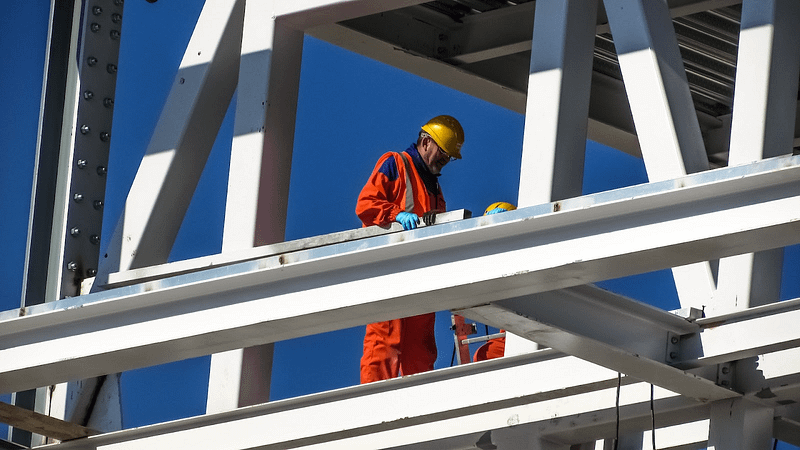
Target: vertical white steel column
<point>739,424</point>
<point>557,110</point>
<point>764,110</point>
<point>258,183</point>
<point>663,111</point>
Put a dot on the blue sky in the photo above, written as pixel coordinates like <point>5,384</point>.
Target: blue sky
<point>350,111</point>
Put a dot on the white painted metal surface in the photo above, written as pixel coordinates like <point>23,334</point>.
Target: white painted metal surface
<point>426,406</point>
<point>181,142</point>
<point>589,239</point>
<point>558,102</point>
<point>515,268</point>
<point>762,126</point>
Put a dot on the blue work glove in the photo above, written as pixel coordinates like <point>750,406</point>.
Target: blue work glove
<point>495,211</point>
<point>409,221</point>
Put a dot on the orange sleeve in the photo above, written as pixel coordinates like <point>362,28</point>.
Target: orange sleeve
<point>379,201</point>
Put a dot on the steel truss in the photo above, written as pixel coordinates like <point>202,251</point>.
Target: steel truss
<point>728,378</point>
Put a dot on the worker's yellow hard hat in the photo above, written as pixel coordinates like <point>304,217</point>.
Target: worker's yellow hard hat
<point>447,133</point>
<point>505,205</point>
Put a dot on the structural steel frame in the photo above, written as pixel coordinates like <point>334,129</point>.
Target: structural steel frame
<point>728,371</point>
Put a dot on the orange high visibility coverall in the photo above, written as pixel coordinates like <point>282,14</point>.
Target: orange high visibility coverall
<point>406,345</point>
<point>493,348</point>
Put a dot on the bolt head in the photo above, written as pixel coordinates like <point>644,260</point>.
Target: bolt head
<point>88,95</point>
<point>95,27</point>
<point>78,198</point>
<point>72,266</point>
<point>91,61</point>
<point>97,204</point>
<point>81,165</point>
<point>75,232</point>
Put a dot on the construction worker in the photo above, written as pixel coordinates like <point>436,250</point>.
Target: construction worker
<point>403,188</point>
<point>493,348</point>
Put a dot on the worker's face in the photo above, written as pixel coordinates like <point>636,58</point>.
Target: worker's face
<point>433,156</point>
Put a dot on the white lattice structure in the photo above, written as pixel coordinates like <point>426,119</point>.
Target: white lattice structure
<point>721,204</point>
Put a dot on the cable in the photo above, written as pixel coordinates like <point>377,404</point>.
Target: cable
<point>653,415</point>
<point>619,385</point>
<point>453,358</point>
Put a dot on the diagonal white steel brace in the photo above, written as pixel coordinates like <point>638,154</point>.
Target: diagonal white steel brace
<point>181,141</point>
<point>663,111</point>
<point>456,265</point>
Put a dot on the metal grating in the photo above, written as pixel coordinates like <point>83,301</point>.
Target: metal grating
<point>708,42</point>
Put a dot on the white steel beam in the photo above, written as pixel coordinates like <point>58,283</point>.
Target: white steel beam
<point>630,349</point>
<point>767,70</point>
<point>258,179</point>
<point>556,115</point>
<point>304,14</point>
<point>655,80</point>
<point>650,62</point>
<point>756,331</point>
<point>557,108</point>
<point>431,412</point>
<point>739,424</point>
<point>467,263</point>
<point>685,436</point>
<point>663,111</point>
<point>763,125</point>
<point>181,142</point>
<point>135,276</point>
<point>425,407</point>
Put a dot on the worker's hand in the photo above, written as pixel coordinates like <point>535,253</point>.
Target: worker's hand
<point>430,217</point>
<point>495,211</point>
<point>409,221</point>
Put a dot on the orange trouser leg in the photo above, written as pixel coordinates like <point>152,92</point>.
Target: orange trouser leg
<point>407,343</point>
<point>381,358</point>
<point>418,344</point>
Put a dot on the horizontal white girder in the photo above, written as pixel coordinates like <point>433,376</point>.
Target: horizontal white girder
<point>545,394</point>
<point>433,405</point>
<point>222,259</point>
<point>466,263</point>
<point>755,331</point>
